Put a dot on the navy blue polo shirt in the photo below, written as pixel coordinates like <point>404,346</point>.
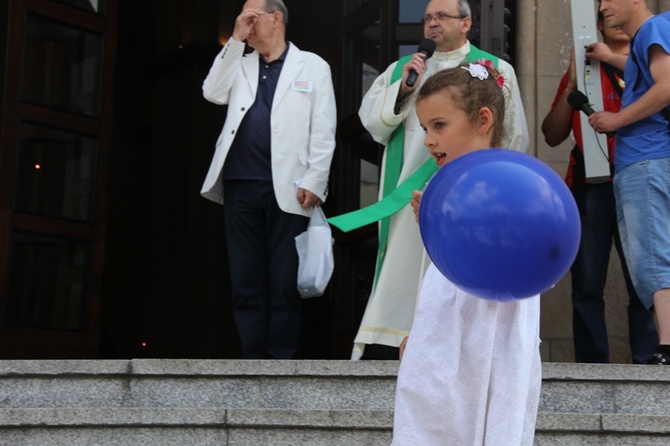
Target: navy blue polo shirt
<point>249,156</point>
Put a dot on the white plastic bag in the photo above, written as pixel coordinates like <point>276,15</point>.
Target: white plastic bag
<point>315,255</point>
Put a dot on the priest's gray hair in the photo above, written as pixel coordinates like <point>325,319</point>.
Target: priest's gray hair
<point>464,8</point>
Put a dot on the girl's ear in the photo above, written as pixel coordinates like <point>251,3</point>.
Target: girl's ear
<point>486,121</point>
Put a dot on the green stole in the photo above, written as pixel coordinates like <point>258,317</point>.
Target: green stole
<point>396,196</point>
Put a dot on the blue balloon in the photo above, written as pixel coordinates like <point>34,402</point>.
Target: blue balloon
<point>500,224</point>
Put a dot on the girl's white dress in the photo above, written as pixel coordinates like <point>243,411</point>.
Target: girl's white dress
<point>471,371</point>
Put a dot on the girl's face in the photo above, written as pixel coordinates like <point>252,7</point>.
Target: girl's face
<point>449,132</point>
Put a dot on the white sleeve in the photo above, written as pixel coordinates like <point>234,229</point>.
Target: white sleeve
<point>322,135</point>
<point>218,83</point>
<point>377,108</point>
<point>516,128</point>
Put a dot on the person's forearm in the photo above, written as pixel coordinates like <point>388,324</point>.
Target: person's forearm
<point>557,124</point>
<point>617,61</point>
<point>377,108</point>
<point>653,101</point>
<point>216,86</point>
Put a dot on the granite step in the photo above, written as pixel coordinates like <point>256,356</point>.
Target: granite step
<point>231,402</point>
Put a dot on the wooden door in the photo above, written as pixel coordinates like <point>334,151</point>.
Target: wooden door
<point>55,140</point>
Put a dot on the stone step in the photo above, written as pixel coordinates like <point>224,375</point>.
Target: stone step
<point>605,389</point>
<point>223,402</point>
<point>571,388</point>
<point>202,427</point>
<point>286,427</point>
<point>557,429</point>
<point>224,384</point>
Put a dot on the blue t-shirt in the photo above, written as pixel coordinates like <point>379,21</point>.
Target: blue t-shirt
<point>648,138</point>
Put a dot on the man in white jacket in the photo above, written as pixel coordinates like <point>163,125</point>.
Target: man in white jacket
<point>270,169</point>
<point>400,264</point>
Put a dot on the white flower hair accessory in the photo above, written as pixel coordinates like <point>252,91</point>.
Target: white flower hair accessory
<point>478,71</point>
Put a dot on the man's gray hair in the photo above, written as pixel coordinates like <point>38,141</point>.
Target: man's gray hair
<point>278,5</point>
<point>464,8</point>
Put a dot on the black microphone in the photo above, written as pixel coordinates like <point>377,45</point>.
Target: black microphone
<point>427,48</point>
<point>579,101</point>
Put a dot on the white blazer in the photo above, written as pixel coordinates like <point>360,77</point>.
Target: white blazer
<point>303,120</point>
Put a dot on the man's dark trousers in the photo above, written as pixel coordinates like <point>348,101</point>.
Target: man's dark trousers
<point>263,268</point>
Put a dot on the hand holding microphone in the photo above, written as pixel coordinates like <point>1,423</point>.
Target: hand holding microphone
<point>427,48</point>
<point>579,101</point>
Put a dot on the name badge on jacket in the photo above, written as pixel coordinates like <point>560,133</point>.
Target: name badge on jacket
<point>303,86</point>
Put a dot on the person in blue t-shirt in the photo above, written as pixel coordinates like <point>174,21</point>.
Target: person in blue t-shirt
<point>642,157</point>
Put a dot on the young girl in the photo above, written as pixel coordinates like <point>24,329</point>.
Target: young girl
<point>470,373</point>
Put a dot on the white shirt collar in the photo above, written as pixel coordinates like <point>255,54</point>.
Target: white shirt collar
<point>457,54</point>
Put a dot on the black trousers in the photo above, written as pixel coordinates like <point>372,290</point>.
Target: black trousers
<point>263,269</point>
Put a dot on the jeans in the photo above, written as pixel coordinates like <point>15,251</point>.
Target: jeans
<point>643,208</point>
<point>589,275</point>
